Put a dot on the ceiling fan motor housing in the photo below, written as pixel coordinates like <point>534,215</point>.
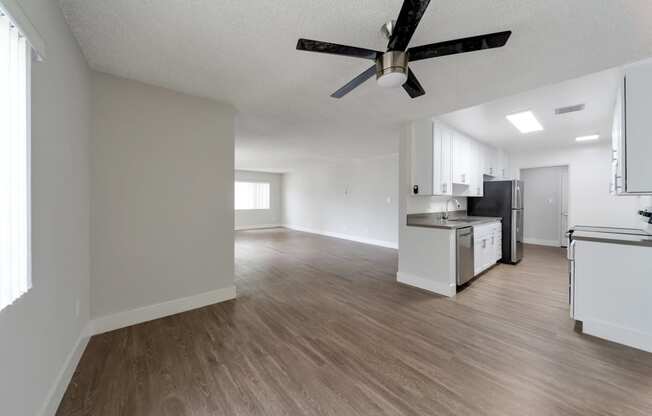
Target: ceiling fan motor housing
<point>391,69</point>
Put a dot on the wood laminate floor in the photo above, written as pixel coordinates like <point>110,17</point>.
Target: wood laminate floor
<point>321,327</point>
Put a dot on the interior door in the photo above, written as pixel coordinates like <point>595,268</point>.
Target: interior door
<point>543,205</point>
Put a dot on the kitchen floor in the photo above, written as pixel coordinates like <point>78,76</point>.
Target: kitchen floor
<point>321,327</point>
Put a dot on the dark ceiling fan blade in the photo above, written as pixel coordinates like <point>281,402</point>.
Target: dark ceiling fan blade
<point>407,22</point>
<point>451,47</point>
<point>412,86</point>
<point>355,82</point>
<point>335,49</point>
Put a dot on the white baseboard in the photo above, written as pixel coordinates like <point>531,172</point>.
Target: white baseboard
<point>60,385</point>
<point>619,334</point>
<point>364,240</point>
<point>427,284</point>
<point>256,227</point>
<point>160,310</point>
<point>539,242</point>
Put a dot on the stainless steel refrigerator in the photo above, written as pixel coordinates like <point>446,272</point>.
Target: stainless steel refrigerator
<point>503,199</point>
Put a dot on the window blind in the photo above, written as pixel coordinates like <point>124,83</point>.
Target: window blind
<point>251,195</point>
<point>15,269</point>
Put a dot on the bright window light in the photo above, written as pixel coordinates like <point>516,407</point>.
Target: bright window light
<point>251,195</point>
<point>587,138</point>
<point>15,258</point>
<point>525,122</point>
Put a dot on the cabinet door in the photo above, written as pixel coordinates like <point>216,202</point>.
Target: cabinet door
<point>637,153</point>
<point>501,164</point>
<point>489,161</point>
<point>616,182</point>
<point>461,156</point>
<point>445,186</point>
<point>478,254</point>
<point>475,169</point>
<point>422,157</point>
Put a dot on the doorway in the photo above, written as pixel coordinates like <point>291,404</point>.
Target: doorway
<point>546,205</point>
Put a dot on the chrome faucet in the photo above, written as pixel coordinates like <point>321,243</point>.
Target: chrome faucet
<point>445,214</point>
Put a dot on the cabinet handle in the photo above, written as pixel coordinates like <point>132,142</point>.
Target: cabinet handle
<point>444,187</point>
<point>464,178</point>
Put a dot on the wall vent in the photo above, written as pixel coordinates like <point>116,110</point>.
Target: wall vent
<point>569,109</point>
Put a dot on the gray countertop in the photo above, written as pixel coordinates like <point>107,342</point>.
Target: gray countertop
<point>626,236</point>
<point>433,220</point>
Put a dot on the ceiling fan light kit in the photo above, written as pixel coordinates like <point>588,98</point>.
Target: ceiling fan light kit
<point>391,67</point>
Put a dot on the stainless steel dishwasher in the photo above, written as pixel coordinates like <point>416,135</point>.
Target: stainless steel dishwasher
<point>465,259</point>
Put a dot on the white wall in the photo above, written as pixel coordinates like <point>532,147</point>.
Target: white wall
<point>162,195</point>
<point>41,329</point>
<point>589,170</point>
<point>357,199</point>
<point>261,218</point>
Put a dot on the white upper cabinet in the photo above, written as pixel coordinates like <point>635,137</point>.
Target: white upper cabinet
<point>502,165</point>
<point>461,159</point>
<point>476,152</point>
<point>431,153</point>
<point>448,163</point>
<point>489,161</point>
<point>632,133</point>
<point>444,159</point>
<point>422,152</point>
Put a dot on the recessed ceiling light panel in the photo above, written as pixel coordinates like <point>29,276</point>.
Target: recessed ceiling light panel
<point>525,122</point>
<point>587,138</point>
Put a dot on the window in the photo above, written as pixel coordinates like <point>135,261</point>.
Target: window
<point>251,195</point>
<point>15,246</point>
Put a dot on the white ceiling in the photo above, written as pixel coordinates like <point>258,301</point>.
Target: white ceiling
<point>598,91</point>
<point>242,52</point>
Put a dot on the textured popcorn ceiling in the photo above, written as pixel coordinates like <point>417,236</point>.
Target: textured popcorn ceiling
<point>242,52</point>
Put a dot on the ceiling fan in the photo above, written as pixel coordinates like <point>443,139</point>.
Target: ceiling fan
<point>391,67</point>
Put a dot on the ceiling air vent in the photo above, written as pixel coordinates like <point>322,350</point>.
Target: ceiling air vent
<point>569,109</point>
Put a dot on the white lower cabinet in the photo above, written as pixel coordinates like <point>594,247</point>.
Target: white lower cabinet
<point>611,288</point>
<point>487,246</point>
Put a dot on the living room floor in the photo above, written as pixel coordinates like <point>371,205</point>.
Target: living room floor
<point>321,327</point>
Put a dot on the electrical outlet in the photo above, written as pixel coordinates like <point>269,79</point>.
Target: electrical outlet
<point>389,200</point>
<point>77,308</point>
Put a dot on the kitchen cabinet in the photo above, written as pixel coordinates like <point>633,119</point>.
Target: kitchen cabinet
<point>502,167</point>
<point>461,159</point>
<point>431,152</point>
<point>489,160</point>
<point>631,133</point>
<point>444,158</point>
<point>422,154</point>
<point>445,162</point>
<point>495,163</point>
<point>476,187</point>
<point>487,246</point>
<point>611,288</point>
